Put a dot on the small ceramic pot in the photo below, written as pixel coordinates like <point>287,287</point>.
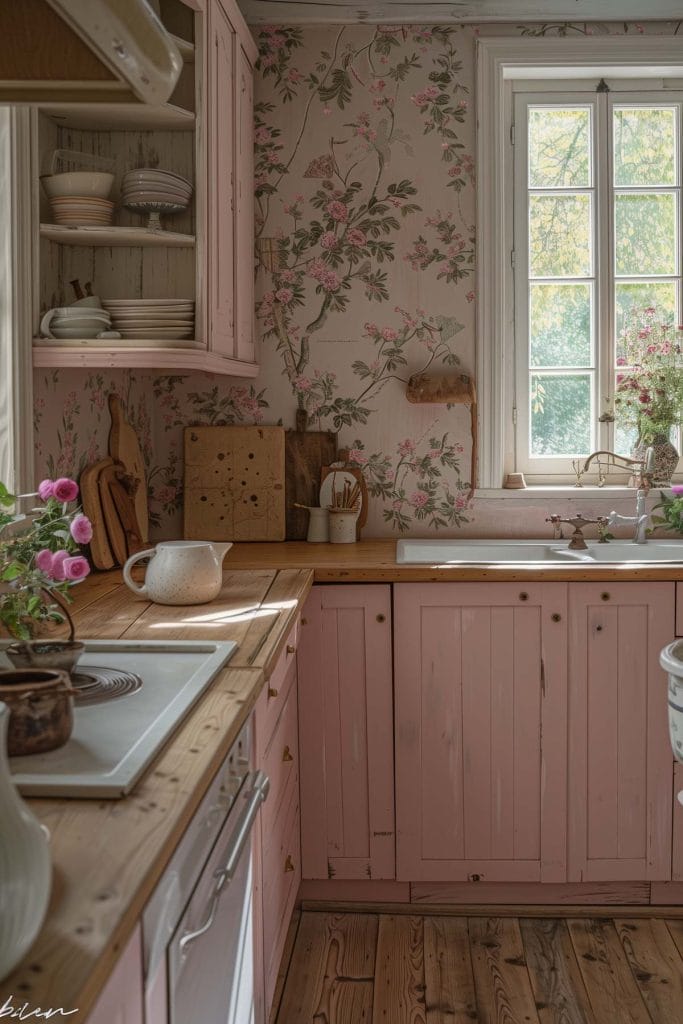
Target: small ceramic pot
<point>343,526</point>
<point>41,709</point>
<point>60,655</point>
<point>318,526</point>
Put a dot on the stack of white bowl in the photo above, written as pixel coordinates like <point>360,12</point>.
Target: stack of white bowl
<point>163,319</point>
<point>80,197</point>
<point>148,189</point>
<point>75,322</point>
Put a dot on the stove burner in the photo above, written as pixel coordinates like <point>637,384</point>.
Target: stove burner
<point>96,684</point>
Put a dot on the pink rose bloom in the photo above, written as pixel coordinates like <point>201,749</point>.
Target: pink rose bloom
<point>76,567</point>
<point>356,237</point>
<point>357,456</point>
<point>418,499</point>
<point>65,489</point>
<point>328,240</point>
<point>406,447</point>
<point>57,570</point>
<point>389,334</point>
<point>284,295</point>
<point>337,210</point>
<point>677,490</point>
<point>44,561</point>
<point>45,489</point>
<point>81,529</point>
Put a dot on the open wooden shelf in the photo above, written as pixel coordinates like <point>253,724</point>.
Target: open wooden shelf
<point>84,357</point>
<point>114,235</point>
<point>121,116</point>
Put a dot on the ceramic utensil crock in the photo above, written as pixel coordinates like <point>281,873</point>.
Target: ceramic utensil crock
<point>57,654</point>
<point>25,868</point>
<point>180,572</point>
<point>41,709</point>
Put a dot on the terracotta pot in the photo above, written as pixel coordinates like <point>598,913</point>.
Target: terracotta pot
<point>41,709</point>
<point>60,655</point>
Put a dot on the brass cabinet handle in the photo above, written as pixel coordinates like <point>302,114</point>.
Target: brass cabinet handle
<point>289,863</point>
<point>286,755</point>
<point>272,692</point>
<point>291,649</point>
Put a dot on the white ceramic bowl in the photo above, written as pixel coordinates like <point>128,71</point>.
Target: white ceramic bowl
<point>78,183</point>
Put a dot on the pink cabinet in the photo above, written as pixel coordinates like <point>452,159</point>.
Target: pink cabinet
<point>620,762</point>
<point>480,706</point>
<point>346,733</point>
<point>121,1001</point>
<point>244,211</point>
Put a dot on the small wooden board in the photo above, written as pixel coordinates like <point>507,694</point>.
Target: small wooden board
<point>306,452</point>
<point>115,531</point>
<point>100,548</point>
<point>124,447</point>
<point>235,483</point>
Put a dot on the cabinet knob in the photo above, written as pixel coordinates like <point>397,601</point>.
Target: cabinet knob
<point>605,596</point>
<point>272,692</point>
<point>291,649</point>
<point>598,629</point>
<point>556,617</point>
<point>524,596</point>
<point>286,755</point>
<point>289,864</point>
<point>381,618</point>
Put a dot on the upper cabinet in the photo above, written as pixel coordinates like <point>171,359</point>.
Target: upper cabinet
<point>130,246</point>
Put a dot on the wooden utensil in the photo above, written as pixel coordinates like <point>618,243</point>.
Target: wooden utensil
<point>357,473</point>
<point>115,531</point>
<point>124,447</point>
<point>100,548</point>
<point>125,507</point>
<point>235,483</point>
<point>306,452</point>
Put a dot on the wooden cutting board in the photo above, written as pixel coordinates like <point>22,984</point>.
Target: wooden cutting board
<point>306,452</point>
<point>115,531</point>
<point>234,483</point>
<point>100,548</point>
<point>124,447</point>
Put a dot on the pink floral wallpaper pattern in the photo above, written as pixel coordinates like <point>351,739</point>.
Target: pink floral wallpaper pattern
<point>365,275</point>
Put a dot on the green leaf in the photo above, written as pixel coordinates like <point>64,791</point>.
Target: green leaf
<point>6,498</point>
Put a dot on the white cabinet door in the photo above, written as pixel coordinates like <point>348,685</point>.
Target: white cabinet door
<point>121,1000</point>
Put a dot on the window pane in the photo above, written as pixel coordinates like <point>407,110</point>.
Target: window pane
<point>644,146</point>
<point>560,235</point>
<point>560,415</point>
<point>559,147</point>
<point>560,324</point>
<point>645,234</point>
<point>661,295</point>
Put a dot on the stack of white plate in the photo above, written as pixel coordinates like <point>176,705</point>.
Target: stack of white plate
<point>82,210</point>
<point>148,189</point>
<point>171,319</point>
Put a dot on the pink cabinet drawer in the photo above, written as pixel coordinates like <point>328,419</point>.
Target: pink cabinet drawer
<point>281,762</point>
<point>679,609</point>
<point>281,866</point>
<point>276,691</point>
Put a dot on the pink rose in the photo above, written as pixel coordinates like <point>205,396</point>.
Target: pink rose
<point>418,499</point>
<point>44,561</point>
<point>76,567</point>
<point>81,529</point>
<point>65,489</point>
<point>45,489</point>
<point>677,490</point>
<point>389,334</point>
<point>284,295</point>
<point>57,570</point>
<point>356,237</point>
<point>337,210</point>
<point>328,240</point>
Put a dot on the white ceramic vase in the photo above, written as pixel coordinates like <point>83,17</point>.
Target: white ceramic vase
<point>25,867</point>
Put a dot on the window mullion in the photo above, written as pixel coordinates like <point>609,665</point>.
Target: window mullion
<point>604,283</point>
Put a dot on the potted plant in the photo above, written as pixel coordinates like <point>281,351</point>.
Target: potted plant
<point>672,510</point>
<point>40,560</point>
<point>649,386</point>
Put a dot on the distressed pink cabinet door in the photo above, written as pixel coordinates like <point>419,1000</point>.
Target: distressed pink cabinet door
<point>244,214</point>
<point>480,692</point>
<point>620,782</point>
<point>346,733</point>
<point>121,1000</point>
<point>220,185</point>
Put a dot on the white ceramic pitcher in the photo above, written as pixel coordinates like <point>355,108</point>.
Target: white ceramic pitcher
<point>180,571</point>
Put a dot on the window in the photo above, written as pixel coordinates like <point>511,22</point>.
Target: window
<point>596,239</point>
<point>579,224</point>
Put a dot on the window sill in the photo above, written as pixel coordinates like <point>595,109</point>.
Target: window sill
<point>589,492</point>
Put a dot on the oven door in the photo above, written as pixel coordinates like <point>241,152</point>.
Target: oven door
<point>211,954</point>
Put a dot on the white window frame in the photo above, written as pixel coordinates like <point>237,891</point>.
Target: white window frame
<point>500,62</point>
<point>17,446</point>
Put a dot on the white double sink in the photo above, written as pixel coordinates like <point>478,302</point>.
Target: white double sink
<point>523,552</point>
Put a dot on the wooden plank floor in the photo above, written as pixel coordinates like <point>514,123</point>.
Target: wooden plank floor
<point>398,969</point>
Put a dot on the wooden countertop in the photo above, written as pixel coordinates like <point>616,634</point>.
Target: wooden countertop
<point>374,561</point>
<point>108,855</point>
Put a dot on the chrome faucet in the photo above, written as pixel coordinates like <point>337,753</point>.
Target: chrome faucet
<point>577,542</point>
<point>645,470</point>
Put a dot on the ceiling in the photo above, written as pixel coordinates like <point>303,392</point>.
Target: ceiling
<point>293,12</point>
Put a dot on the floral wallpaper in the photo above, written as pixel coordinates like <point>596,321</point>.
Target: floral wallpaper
<point>365,223</point>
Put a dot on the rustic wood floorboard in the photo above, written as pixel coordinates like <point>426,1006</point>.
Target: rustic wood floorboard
<point>366,968</point>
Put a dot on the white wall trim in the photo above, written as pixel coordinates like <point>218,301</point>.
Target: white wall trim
<point>500,60</point>
<point>15,299</point>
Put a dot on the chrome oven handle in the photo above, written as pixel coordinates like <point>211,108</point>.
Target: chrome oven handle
<point>256,794</point>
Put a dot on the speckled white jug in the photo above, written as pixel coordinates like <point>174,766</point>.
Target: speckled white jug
<point>180,572</point>
<point>25,868</point>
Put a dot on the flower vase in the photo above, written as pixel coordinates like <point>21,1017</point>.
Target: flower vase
<point>665,458</point>
<point>25,868</point>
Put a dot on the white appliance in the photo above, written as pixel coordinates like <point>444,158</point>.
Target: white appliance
<point>198,937</point>
<point>115,739</point>
<point>671,660</point>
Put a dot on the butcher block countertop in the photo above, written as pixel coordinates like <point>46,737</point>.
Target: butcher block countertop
<point>374,561</point>
<point>108,855</point>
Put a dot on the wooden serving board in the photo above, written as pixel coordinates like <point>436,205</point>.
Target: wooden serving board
<point>100,548</point>
<point>306,452</point>
<point>235,483</point>
<point>115,531</point>
<point>124,447</point>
